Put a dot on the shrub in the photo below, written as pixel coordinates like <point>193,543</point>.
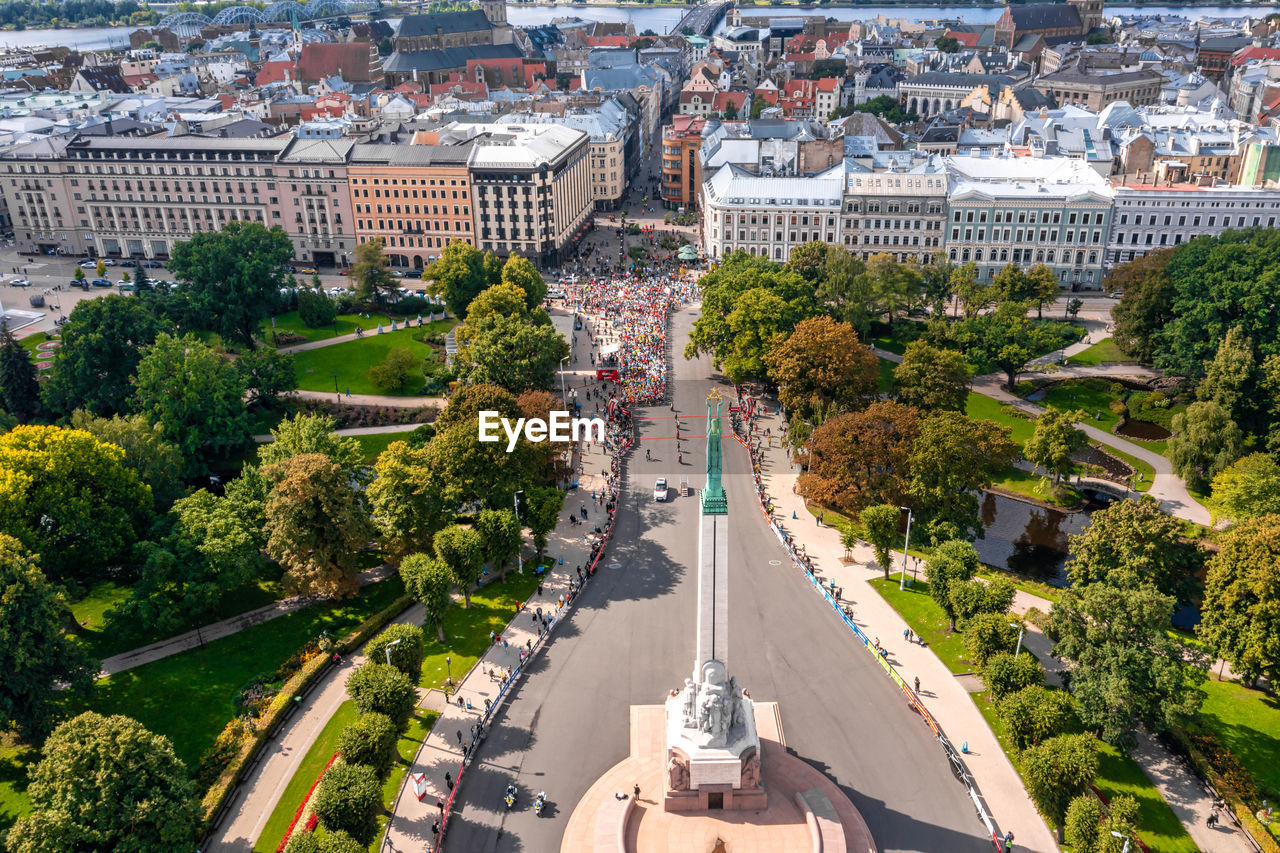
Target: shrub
<point>406,654</point>
<point>368,740</point>
<point>316,309</point>
<point>340,842</point>
<point>1082,823</point>
<point>1059,770</point>
<point>409,306</point>
<point>1119,408</point>
<point>1005,674</point>
<point>378,688</point>
<point>349,799</point>
<point>234,735</point>
<point>1036,713</point>
<point>303,842</point>
<point>989,633</point>
<point>972,597</point>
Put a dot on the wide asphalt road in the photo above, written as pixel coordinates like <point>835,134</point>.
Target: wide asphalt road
<point>631,639</point>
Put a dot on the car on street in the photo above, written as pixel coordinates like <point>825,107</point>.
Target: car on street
<point>125,287</point>
<point>337,291</point>
<point>102,282</point>
<point>108,262</point>
<point>153,265</point>
<point>128,262</point>
<point>308,271</point>
<point>555,293</point>
<point>21,282</point>
<point>660,489</point>
<point>87,263</point>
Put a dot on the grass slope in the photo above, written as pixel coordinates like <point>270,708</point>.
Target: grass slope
<point>1248,723</point>
<point>1103,352</point>
<point>351,361</point>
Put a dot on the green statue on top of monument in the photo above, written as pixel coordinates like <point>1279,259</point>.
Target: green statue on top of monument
<point>714,500</point>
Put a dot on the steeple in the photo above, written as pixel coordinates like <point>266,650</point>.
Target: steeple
<point>714,500</point>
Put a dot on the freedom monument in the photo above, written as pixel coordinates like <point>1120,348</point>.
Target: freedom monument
<point>712,761</point>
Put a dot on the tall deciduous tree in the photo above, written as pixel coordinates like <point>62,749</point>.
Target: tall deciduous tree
<point>157,461</point>
<point>862,458</point>
<point>542,512</point>
<point>231,279</point>
<point>403,644</point>
<point>952,563</point>
<point>472,470</point>
<point>931,379</point>
<point>1087,831</point>
<point>895,286</point>
<point>821,365</point>
<point>1146,302</point>
<point>881,525</point>
<point>459,275</point>
<point>70,499</point>
<point>428,580</point>
<point>194,392</point>
<point>1059,770</point>
<point>35,656</point>
<point>268,376</point>
<point>19,390</point>
<point>1135,536</point>
<point>1205,441</point>
<point>106,783</point>
<point>845,289</point>
<point>511,352</point>
<point>315,525</point>
<point>371,271</point>
<point>1248,488</point>
<point>462,550</point>
<point>520,272</point>
<point>1036,713</point>
<point>307,433</point>
<point>102,343</point>
<point>1231,378</point>
<point>1241,608</point>
<point>952,459</point>
<point>348,800</point>
<point>502,535</point>
<point>407,499</point>
<point>1054,439</point>
<point>500,300</point>
<point>393,372</point>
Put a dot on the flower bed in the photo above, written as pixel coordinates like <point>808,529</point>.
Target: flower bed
<point>302,808</point>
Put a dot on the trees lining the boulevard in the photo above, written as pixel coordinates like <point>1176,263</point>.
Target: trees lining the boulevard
<point>1241,607</point>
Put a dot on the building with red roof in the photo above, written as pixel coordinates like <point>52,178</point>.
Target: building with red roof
<point>356,62</point>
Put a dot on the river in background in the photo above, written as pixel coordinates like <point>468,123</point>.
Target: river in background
<point>659,19</point>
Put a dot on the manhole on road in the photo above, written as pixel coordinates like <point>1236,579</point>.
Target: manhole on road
<point>615,565</point>
<point>775,562</point>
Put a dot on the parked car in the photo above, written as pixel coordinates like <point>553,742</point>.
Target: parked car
<point>109,262</point>
<point>337,291</point>
<point>82,284</point>
<point>555,293</point>
<point>660,489</point>
<point>128,262</point>
<point>21,282</point>
<point>153,265</point>
<point>308,271</point>
<point>102,282</point>
<point>87,263</point>
<point>125,287</point>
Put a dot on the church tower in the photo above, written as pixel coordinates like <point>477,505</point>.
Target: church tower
<point>1090,13</point>
<point>496,11</point>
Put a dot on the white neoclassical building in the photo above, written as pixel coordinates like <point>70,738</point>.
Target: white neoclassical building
<point>769,216</point>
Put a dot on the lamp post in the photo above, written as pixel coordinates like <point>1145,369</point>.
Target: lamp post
<point>387,649</point>
<point>906,546</point>
<point>1021,628</point>
<point>335,384</point>
<point>564,397</point>
<point>519,556</point>
<point>1126,840</point>
<point>448,669</point>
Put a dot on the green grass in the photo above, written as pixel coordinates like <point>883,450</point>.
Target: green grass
<point>291,323</point>
<point>1148,473</point>
<point>926,618</point>
<point>1103,352</point>
<point>406,750</point>
<point>322,749</point>
<point>190,697</point>
<point>1158,826</point>
<point>1247,722</point>
<point>1092,396</point>
<point>1037,487</point>
<point>374,443</point>
<point>467,630</point>
<point>890,343</point>
<point>985,408</point>
<point>351,361</point>
<point>30,342</point>
<point>14,803</point>
<point>884,381</point>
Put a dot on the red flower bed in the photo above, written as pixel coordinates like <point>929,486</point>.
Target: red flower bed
<point>297,816</point>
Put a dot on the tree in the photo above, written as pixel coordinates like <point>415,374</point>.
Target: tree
<point>1126,669</point>
<point>730,109</point>
<point>461,549</point>
<point>988,634</point>
<point>822,365</point>
<point>316,310</point>
<point>1248,488</point>
<point>1053,441</point>
<point>371,271</point>
<point>471,400</point>
<point>369,740</point>
<point>405,644</point>
<point>894,285</point>
<point>758,106</point>
<point>952,563</point>
<point>101,268</point>
<point>1036,713</point>
<point>315,525</point>
<point>498,300</point>
<point>394,370</point>
<point>195,393</point>
<point>881,525</point>
<point>106,783</point>
<point>511,353</point>
<point>974,597</point>
<point>809,261</point>
<point>102,343</point>
<point>1231,378</point>
<point>520,272</point>
<point>268,376</point>
<point>69,499</point>
<point>952,459</point>
<point>1085,828</point>
<point>307,433</point>
<point>1006,673</point>
<point>471,470</point>
<point>1057,771</point>
<point>502,536</point>
<point>407,500</point>
<point>542,512</point>
<point>459,276</point>
<point>377,688</point>
<point>975,296</point>
<point>19,389</point>
<point>231,279</point>
<point>157,462</point>
<point>36,656</point>
<point>77,274</point>
<point>861,458</point>
<point>428,580</point>
<point>1241,608</point>
<point>888,108</point>
<point>932,379</point>
<point>1035,286</point>
<point>1205,441</point>
<point>1136,537</point>
<point>1146,302</point>
<point>349,799</point>
<point>946,44</point>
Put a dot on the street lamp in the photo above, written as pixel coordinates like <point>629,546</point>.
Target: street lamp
<point>519,556</point>
<point>335,384</point>
<point>387,649</point>
<point>448,664</point>
<point>906,546</point>
<point>564,398</point>
<point>1126,840</point>
<point>1021,627</point>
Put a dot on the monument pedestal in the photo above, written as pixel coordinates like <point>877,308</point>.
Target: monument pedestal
<point>703,773</point>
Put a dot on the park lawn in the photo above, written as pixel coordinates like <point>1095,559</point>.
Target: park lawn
<point>889,343</point>
<point>1037,487</point>
<point>1103,352</point>
<point>884,381</point>
<point>322,749</point>
<point>1247,722</point>
<point>189,697</point>
<point>374,443</point>
<point>30,342</point>
<point>291,323</point>
<point>406,750</point>
<point>351,361</point>
<point>1027,585</point>
<point>926,618</point>
<point>14,763</point>
<point>980,407</point>
<point>1148,473</point>
<point>466,630</point>
<point>1092,396</point>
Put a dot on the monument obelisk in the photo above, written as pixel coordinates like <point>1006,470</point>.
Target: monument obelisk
<point>713,751</point>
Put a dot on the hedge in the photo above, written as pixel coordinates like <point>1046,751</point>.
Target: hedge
<point>292,689</point>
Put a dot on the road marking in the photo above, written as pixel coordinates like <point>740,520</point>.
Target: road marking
<point>775,562</point>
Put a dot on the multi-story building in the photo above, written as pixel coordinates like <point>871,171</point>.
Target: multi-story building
<point>415,198</point>
<point>895,206</point>
<point>936,92</point>
<point>681,165</point>
<point>1096,88</point>
<point>1027,211</point>
<point>769,216</point>
<point>1149,217</point>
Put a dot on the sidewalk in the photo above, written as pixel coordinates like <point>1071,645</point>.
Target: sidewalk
<point>942,693</point>
<point>208,633</point>
<point>441,753</point>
